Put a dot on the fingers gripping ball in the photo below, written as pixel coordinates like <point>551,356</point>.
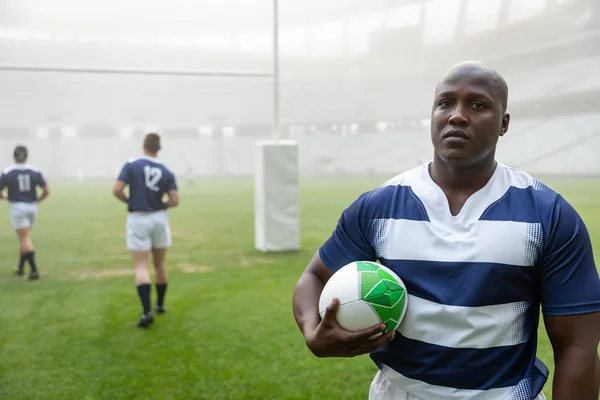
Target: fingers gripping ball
<point>369,294</point>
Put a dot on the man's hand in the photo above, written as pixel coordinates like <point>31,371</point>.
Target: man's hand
<point>331,340</point>
<point>2,196</point>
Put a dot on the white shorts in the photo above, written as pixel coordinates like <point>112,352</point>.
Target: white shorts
<point>382,389</point>
<point>146,231</point>
<point>23,215</point>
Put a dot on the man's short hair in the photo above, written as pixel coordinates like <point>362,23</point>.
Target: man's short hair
<point>152,142</point>
<point>20,153</point>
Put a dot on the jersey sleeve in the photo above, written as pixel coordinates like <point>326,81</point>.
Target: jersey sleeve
<point>124,176</point>
<point>172,183</point>
<point>2,181</point>
<point>570,282</point>
<point>41,181</point>
<point>351,239</point>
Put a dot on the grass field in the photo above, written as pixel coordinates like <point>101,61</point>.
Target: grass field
<point>229,333</point>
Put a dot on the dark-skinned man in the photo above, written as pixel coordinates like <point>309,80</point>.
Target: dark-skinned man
<point>481,248</point>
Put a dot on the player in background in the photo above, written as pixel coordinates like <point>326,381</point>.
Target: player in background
<point>22,180</point>
<point>481,248</point>
<point>147,226</point>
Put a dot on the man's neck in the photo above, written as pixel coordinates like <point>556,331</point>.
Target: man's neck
<point>461,178</point>
<point>148,154</point>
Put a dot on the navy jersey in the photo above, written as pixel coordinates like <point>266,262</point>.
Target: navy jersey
<point>149,180</point>
<point>22,180</point>
<point>476,281</point>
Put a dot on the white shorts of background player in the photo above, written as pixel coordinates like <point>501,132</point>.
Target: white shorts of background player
<point>23,215</point>
<point>147,230</point>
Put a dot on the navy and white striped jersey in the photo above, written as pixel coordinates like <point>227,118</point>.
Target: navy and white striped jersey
<point>22,181</point>
<point>149,180</point>
<point>475,281</point>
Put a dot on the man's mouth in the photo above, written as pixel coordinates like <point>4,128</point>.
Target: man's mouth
<point>456,134</point>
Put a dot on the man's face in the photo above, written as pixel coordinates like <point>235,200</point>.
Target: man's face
<point>467,117</point>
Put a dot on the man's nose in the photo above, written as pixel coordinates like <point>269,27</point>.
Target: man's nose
<point>458,117</point>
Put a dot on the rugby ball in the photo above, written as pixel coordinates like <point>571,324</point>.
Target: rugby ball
<point>369,294</point>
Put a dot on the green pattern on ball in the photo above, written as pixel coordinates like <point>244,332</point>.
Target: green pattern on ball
<point>390,325</point>
<point>368,280</point>
<point>384,275</point>
<point>362,266</point>
<point>382,292</point>
<point>385,313</point>
<point>378,290</point>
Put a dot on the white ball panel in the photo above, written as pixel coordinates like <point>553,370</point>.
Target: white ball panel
<point>344,285</point>
<point>357,316</point>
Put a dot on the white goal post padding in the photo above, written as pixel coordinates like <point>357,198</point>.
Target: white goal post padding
<point>276,208</point>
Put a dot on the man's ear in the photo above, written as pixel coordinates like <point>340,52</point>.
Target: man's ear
<point>505,123</point>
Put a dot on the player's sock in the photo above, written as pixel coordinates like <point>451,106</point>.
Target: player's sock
<point>30,257</point>
<point>21,265</point>
<point>144,293</point>
<point>161,289</point>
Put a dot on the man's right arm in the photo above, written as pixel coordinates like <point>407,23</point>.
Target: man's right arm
<point>307,293</point>
<point>349,242</point>
<point>326,338</point>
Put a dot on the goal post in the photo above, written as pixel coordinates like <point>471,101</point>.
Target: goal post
<point>276,206</point>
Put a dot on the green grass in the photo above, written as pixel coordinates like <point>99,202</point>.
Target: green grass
<point>230,333</point>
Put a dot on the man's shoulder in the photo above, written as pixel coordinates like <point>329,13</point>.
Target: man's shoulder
<point>136,160</point>
<point>399,183</point>
<point>517,179</point>
<point>154,162</point>
<point>15,168</point>
<point>517,196</point>
<point>33,169</point>
<point>396,189</point>
<point>407,178</point>
<point>8,169</point>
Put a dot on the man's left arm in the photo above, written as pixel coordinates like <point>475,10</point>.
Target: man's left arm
<point>574,341</point>
<point>570,291</point>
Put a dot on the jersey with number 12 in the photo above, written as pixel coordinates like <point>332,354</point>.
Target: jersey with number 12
<point>148,179</point>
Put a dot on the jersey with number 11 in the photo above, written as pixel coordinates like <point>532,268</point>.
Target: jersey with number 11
<point>148,179</point>
<point>22,180</point>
